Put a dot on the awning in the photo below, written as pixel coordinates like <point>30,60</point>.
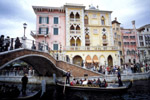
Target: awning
<point>96,61</point>
<point>89,61</point>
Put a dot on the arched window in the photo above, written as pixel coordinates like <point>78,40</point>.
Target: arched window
<point>77,28</point>
<point>104,36</point>
<point>71,15</point>
<point>72,27</point>
<point>85,19</point>
<point>102,20</point>
<point>77,15</point>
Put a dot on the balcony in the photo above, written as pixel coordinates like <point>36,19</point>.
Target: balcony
<point>97,48</point>
<point>36,34</point>
<point>87,41</point>
<point>105,41</point>
<point>74,19</point>
<point>75,31</point>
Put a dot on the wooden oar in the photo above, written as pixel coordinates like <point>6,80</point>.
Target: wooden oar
<point>64,87</point>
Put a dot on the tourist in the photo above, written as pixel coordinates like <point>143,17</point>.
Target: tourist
<point>2,43</point>
<point>85,82</point>
<point>119,78</point>
<point>104,84</point>
<point>98,82</point>
<point>68,74</point>
<point>7,43</point>
<point>17,43</point>
<point>24,83</point>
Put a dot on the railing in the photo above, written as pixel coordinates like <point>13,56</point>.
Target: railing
<point>74,48</point>
<point>105,41</point>
<point>75,32</point>
<point>28,44</point>
<point>74,19</point>
<point>36,33</point>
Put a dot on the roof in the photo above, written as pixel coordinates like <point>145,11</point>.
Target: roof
<point>141,28</point>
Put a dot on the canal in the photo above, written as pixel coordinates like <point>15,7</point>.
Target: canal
<point>139,91</point>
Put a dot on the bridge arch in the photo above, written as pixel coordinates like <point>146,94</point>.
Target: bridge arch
<point>43,65</point>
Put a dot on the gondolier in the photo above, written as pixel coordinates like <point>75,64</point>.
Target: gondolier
<point>119,78</point>
<point>68,74</point>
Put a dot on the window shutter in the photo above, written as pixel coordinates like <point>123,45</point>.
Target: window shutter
<point>39,30</point>
<point>46,30</point>
<point>47,20</point>
<point>40,20</point>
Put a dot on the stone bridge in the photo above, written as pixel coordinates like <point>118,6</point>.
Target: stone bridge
<point>43,63</point>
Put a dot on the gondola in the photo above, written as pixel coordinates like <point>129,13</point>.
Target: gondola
<point>30,95</point>
<point>112,87</point>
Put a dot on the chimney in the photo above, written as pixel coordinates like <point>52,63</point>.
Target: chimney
<point>133,22</point>
<point>115,18</point>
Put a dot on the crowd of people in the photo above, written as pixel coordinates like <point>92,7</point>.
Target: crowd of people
<point>88,82</point>
<point>5,43</point>
<point>17,71</point>
<point>125,69</point>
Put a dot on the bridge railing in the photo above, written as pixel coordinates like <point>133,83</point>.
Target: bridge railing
<point>23,42</point>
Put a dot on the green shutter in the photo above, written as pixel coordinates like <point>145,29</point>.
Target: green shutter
<point>39,30</point>
<point>55,31</point>
<point>40,20</point>
<point>46,30</point>
<point>47,20</point>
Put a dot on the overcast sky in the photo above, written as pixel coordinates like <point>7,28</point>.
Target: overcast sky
<point>13,13</point>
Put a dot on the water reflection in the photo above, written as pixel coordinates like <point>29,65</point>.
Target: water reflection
<point>139,91</point>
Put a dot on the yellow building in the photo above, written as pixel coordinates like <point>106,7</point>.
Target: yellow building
<point>118,40</point>
<point>89,37</point>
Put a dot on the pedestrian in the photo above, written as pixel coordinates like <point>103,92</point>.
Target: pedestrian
<point>2,43</point>
<point>7,43</point>
<point>119,78</point>
<point>24,83</point>
<point>17,43</point>
<point>68,74</point>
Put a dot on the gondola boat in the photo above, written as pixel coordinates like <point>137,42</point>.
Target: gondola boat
<point>110,88</point>
<point>32,95</point>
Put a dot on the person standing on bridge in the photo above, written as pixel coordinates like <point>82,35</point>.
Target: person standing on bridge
<point>68,74</point>
<point>24,83</point>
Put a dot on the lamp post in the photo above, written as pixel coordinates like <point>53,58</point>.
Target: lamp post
<point>24,26</point>
<point>45,41</point>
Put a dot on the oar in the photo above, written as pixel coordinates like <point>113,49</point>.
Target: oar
<point>64,87</point>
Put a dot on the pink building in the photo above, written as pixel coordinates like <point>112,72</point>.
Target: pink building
<point>50,26</point>
<point>130,44</point>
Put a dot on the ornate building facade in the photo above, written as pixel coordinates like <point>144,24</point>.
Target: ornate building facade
<point>144,44</point>
<point>85,35</point>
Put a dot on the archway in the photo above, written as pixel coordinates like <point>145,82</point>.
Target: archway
<point>95,61</point>
<point>102,60</point>
<point>77,60</point>
<point>67,58</point>
<point>110,60</point>
<point>88,61</point>
<point>121,61</point>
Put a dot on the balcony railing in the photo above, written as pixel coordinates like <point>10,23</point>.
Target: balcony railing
<point>105,41</point>
<point>97,48</point>
<point>75,32</point>
<point>87,41</point>
<point>75,19</point>
<point>36,33</point>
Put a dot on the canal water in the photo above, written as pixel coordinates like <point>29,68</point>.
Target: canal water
<point>139,91</point>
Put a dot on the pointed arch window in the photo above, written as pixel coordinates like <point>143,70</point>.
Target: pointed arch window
<point>77,15</point>
<point>102,20</point>
<point>85,19</point>
<point>71,15</point>
<point>104,36</point>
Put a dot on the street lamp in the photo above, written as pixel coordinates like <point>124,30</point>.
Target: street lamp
<point>45,38</point>
<point>24,26</point>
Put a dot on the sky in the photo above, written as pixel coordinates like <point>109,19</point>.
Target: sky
<point>13,13</point>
